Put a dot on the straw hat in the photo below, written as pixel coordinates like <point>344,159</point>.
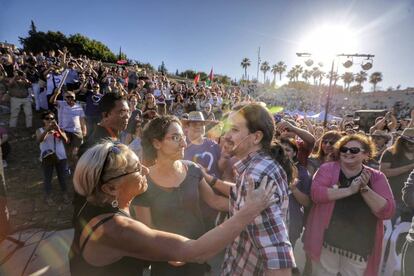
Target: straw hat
<point>381,133</point>
<point>197,116</point>
<point>408,134</point>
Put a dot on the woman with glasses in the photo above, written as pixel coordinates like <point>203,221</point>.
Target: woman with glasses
<point>344,230</point>
<point>396,163</point>
<point>324,151</point>
<point>107,241</point>
<point>52,139</point>
<point>175,190</point>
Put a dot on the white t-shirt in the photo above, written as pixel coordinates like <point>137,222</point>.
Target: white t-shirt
<point>48,144</point>
<point>50,86</point>
<point>69,116</point>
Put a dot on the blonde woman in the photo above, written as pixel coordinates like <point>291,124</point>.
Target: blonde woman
<point>108,241</point>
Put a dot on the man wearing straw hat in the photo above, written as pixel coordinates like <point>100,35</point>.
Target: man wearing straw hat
<point>203,151</point>
<point>207,154</point>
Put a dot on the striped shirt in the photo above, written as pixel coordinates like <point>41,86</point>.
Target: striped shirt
<point>264,244</point>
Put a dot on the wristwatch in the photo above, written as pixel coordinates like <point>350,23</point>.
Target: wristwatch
<point>364,189</point>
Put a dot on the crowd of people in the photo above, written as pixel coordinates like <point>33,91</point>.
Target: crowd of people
<point>188,178</point>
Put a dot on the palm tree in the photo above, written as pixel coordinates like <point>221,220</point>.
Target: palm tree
<point>245,63</point>
<point>281,68</point>
<point>315,74</point>
<point>291,75</point>
<point>375,78</point>
<point>264,68</point>
<point>297,69</point>
<point>274,70</point>
<point>321,76</point>
<point>361,77</point>
<point>335,78</point>
<point>348,78</point>
<point>306,75</point>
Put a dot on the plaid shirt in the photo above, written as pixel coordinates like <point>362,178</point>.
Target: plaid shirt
<point>264,244</point>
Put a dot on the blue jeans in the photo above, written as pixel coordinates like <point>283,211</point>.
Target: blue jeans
<point>61,167</point>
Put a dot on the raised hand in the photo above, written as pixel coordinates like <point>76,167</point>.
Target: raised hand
<point>261,198</point>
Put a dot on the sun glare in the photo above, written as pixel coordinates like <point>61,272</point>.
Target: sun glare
<point>327,41</point>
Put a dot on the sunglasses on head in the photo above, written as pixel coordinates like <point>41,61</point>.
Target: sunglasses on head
<point>330,142</point>
<point>353,150</point>
<point>116,150</point>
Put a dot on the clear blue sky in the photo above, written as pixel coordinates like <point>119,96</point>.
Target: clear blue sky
<point>219,33</point>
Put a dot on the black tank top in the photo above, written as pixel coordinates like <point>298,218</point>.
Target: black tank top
<point>78,265</point>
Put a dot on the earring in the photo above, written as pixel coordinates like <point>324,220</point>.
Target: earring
<point>114,203</point>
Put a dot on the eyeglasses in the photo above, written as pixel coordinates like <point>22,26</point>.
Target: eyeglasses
<point>353,150</point>
<point>116,150</point>
<point>330,142</point>
<point>177,138</point>
<point>49,118</point>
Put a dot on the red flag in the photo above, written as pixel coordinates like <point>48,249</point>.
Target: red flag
<point>211,76</point>
<point>196,79</point>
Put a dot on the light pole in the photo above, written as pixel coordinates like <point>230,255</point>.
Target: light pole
<point>347,64</point>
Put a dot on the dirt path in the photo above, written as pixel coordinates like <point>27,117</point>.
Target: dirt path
<point>24,181</point>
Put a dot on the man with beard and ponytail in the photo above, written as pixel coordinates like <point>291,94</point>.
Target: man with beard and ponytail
<point>263,248</point>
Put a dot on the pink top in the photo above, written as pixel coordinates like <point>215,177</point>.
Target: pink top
<point>321,212</point>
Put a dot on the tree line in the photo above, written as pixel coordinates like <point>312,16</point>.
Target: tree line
<point>315,74</point>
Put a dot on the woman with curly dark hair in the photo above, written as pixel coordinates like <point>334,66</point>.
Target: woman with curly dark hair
<point>175,190</point>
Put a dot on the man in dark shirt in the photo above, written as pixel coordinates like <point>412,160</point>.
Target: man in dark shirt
<point>115,115</point>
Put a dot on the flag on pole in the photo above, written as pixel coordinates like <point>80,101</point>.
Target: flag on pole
<point>196,79</point>
<point>210,78</point>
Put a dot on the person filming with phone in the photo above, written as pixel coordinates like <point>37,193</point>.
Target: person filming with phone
<point>52,155</point>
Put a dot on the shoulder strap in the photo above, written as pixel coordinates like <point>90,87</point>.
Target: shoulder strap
<point>93,228</point>
<point>102,221</point>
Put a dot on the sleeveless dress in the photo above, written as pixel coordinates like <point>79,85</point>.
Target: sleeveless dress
<point>78,265</point>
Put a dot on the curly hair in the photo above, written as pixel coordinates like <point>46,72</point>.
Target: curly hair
<point>155,129</point>
<point>367,145</point>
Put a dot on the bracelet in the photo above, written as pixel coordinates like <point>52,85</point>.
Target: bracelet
<point>213,182</point>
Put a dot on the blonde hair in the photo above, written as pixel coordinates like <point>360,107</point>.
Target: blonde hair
<point>99,164</point>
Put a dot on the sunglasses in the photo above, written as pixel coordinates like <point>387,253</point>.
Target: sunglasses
<point>49,118</point>
<point>330,142</point>
<point>353,150</point>
<point>116,150</point>
<point>69,98</point>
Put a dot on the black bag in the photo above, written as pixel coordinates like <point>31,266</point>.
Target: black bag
<point>49,156</point>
